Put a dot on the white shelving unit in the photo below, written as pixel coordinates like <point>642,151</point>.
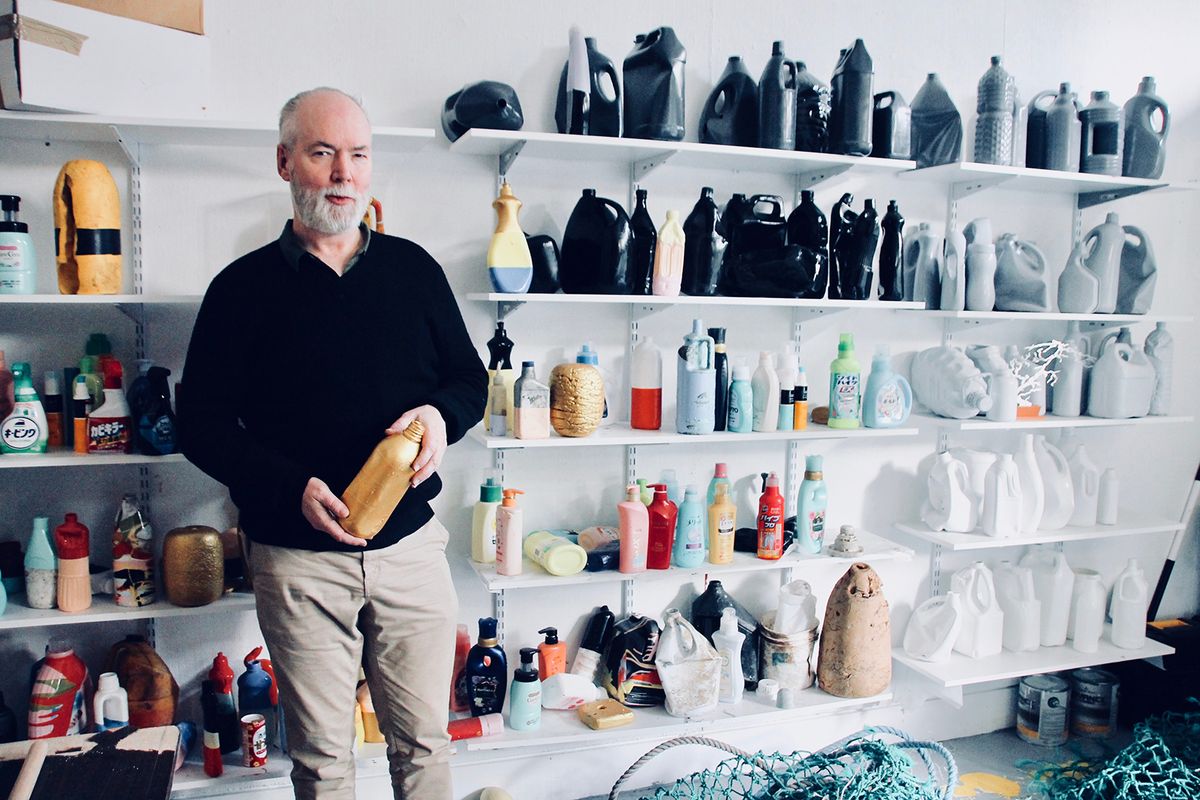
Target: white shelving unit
<point>1129,523</point>
<point>1046,422</point>
<point>103,610</point>
<point>69,458</point>
<point>959,671</point>
<point>623,435</point>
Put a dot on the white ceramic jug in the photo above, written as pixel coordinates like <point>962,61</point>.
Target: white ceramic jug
<point>1022,610</point>
<point>1122,383</point>
<point>948,383</point>
<point>1059,502</point>
<point>1103,245</point>
<point>982,631</point>
<point>950,506</point>
<point>1087,611</point>
<point>923,267</point>
<point>1130,598</point>
<point>978,462</point>
<point>1085,482</point>
<point>933,628</point>
<point>1001,515</point>
<point>1033,491</point>
<point>1053,582</point>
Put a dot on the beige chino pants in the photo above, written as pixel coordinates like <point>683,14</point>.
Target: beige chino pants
<point>393,610</point>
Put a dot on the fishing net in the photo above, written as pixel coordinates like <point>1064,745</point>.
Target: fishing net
<point>864,766</point>
<point>1161,763</point>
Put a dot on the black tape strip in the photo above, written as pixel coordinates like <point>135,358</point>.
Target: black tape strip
<point>97,241</point>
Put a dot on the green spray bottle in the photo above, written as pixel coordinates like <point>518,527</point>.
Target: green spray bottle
<point>845,386</point>
<point>25,429</point>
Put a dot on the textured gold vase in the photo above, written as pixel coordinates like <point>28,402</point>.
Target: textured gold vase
<point>576,399</point>
<point>193,565</point>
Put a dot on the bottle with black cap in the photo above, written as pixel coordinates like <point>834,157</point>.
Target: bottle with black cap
<point>552,654</point>
<point>525,702</point>
<point>18,265</point>
<point>721,365</point>
<point>595,642</point>
<point>486,671</point>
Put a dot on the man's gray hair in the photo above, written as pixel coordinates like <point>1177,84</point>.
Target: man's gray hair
<point>287,114</point>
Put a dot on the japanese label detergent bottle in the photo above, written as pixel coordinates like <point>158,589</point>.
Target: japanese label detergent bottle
<point>690,547</point>
<point>25,430</point>
<point>770,520</point>
<point>18,265</point>
<point>845,390</point>
<point>110,426</point>
<point>74,581</point>
<point>810,506</point>
<point>663,514</point>
<point>696,378</point>
<point>133,555</point>
<point>722,522</point>
<point>510,266</point>
<point>888,399</point>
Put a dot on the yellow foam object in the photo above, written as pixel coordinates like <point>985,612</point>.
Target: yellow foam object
<point>985,784</point>
<point>87,229</point>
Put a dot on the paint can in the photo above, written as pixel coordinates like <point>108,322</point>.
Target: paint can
<point>254,740</point>
<point>1094,703</point>
<point>1042,705</point>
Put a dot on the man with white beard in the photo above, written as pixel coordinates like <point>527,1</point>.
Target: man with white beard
<point>305,354</point>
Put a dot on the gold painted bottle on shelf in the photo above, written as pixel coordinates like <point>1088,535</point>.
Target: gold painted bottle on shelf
<point>378,487</point>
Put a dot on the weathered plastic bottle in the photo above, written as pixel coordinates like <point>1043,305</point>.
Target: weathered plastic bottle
<point>777,102</point>
<point>856,268</point>
<point>381,483</point>
<point>703,247</point>
<point>654,87</point>
<point>813,105</point>
<point>1101,136</point>
<point>603,115</point>
<point>936,125</point>
<point>841,223</point>
<point>807,227</point>
<point>1145,142</point>
<point>852,99</point>
<point>891,126</point>
<point>1061,147</point>
<point>1035,129</point>
<point>731,114</point>
<point>996,102</point>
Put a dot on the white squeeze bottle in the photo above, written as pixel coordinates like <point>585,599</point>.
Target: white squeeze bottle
<point>510,534</point>
<point>765,388</point>
<point>483,523</point>
<point>728,641</point>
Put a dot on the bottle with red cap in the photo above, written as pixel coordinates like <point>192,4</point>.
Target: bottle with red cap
<point>770,520</point>
<point>224,710</point>
<point>58,705</point>
<point>71,539</point>
<point>663,514</point>
<point>110,425</point>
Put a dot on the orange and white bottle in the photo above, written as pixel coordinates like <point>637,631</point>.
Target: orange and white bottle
<point>645,409</point>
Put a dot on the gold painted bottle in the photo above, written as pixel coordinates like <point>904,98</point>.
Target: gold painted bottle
<point>378,487</point>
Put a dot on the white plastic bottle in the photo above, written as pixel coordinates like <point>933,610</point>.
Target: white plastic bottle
<point>510,534</point>
<point>1033,491</point>
<point>1130,597</point>
<point>765,387</point>
<point>1085,482</point>
<point>483,522</point>
<point>1160,349</point>
<point>1053,581</point>
<point>1022,610</point>
<point>645,404</point>
<point>1087,611</point>
<point>787,388</point>
<point>1106,503</point>
<point>110,704</point>
<point>728,641</point>
<point>1002,499</point>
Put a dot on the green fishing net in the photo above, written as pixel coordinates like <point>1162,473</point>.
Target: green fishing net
<point>862,767</point>
<point>1161,763</point>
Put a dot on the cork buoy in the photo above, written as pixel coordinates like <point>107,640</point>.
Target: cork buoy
<point>856,642</point>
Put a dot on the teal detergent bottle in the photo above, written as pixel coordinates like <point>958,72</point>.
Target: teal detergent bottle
<point>691,547</point>
<point>810,506</point>
<point>888,398</point>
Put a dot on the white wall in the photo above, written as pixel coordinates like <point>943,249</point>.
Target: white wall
<point>205,207</point>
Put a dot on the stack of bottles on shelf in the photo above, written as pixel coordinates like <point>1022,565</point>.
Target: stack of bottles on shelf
<point>690,667</point>
<point>662,525</point>
<point>98,417</point>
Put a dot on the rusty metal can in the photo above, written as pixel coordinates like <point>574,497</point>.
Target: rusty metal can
<point>254,740</point>
<point>1043,703</point>
<point>1094,703</point>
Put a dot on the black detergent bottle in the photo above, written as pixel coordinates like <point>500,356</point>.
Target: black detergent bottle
<point>155,420</point>
<point>857,270</point>
<point>807,227</point>
<point>813,104</point>
<point>850,116</point>
<point>841,218</point>
<point>654,87</point>
<point>604,97</point>
<point>595,248</point>
<point>777,102</point>
<point>703,247</point>
<point>736,210</point>
<point>730,115</point>
<point>891,126</point>
<point>936,125</point>
<point>706,617</point>
<point>641,247</point>
<point>721,366</point>
<point>486,671</point>
<point>891,255</point>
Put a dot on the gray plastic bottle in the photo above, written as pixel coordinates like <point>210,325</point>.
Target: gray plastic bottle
<point>996,105</point>
<point>1145,144</point>
<point>777,102</point>
<point>850,115</point>
<point>1062,132</point>
<point>936,125</point>
<point>1101,136</point>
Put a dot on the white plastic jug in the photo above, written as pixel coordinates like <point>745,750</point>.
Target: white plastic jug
<point>1130,597</point>
<point>1001,515</point>
<point>1059,502</point>
<point>1122,383</point>
<point>954,271</point>
<point>1087,611</point>
<point>950,506</point>
<point>797,608</point>
<point>946,382</point>
<point>1106,502</point>
<point>1085,482</point>
<point>1053,582</point>
<point>1033,491</point>
<point>1022,610</point>
<point>978,462</point>
<point>933,628</point>
<point>982,631</point>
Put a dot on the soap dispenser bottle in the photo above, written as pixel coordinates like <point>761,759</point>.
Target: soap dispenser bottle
<point>552,654</point>
<point>525,704</point>
<point>18,265</point>
<point>486,671</point>
<point>510,534</point>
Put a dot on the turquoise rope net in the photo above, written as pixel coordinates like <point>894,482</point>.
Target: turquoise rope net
<point>1161,763</point>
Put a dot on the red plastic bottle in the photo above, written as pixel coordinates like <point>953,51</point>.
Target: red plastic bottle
<point>663,514</point>
<point>228,727</point>
<point>74,580</point>
<point>61,694</point>
<point>770,520</point>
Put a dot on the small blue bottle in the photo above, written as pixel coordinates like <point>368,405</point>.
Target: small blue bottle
<point>888,398</point>
<point>690,548</point>
<point>741,401</point>
<point>811,503</point>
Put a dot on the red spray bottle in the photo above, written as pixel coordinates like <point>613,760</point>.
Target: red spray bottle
<point>770,520</point>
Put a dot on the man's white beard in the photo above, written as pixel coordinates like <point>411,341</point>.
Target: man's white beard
<point>322,216</point>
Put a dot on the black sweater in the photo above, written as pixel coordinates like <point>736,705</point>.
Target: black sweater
<point>295,372</point>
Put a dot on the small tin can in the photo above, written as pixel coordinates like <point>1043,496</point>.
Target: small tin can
<point>254,740</point>
<point>1094,703</point>
<point>1043,702</point>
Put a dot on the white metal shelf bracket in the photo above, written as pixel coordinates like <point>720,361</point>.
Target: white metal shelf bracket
<point>935,570</point>
<point>498,613</point>
<point>1089,199</point>
<point>963,189</point>
<point>506,159</point>
<point>498,464</point>
<point>626,598</point>
<point>630,464</point>
<point>807,180</point>
<point>638,170</point>
<point>506,307</point>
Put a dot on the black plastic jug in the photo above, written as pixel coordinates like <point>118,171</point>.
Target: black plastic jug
<point>485,104</point>
<point>706,617</point>
<point>850,117</point>
<point>703,247</point>
<point>856,266</point>
<point>807,228</point>
<point>730,115</point>
<point>604,101</point>
<point>891,126</point>
<point>788,271</point>
<point>641,249</point>
<point>891,255</point>
<point>841,218</point>
<point>732,215</point>
<point>595,248</point>
<point>1035,129</point>
<point>763,227</point>
<point>543,251</point>
<point>936,125</point>
<point>813,103</point>
<point>777,102</point>
<point>654,87</point>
